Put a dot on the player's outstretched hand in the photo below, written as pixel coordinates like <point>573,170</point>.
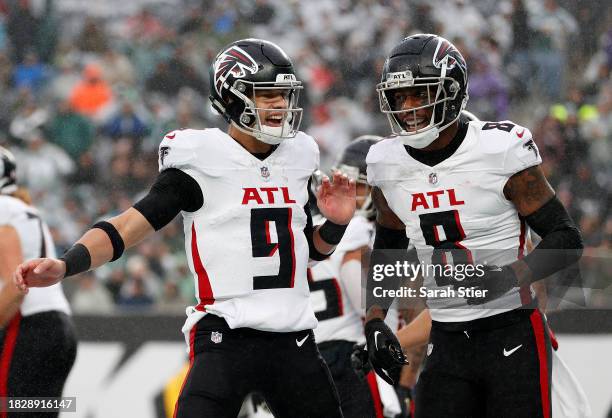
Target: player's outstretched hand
<point>336,198</point>
<point>39,272</point>
<point>384,350</point>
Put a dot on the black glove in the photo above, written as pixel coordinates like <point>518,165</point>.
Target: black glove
<point>359,360</point>
<point>384,350</point>
<point>495,280</point>
<point>404,395</point>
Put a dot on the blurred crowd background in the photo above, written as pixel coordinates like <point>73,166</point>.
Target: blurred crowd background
<point>88,89</point>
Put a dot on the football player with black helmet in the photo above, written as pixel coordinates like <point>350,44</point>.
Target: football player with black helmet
<point>468,189</point>
<point>37,337</point>
<point>243,195</point>
<point>335,290</point>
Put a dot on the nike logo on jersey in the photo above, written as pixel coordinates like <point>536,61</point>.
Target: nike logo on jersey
<point>171,136</point>
<point>520,134</point>
<point>301,342</point>
<point>508,353</point>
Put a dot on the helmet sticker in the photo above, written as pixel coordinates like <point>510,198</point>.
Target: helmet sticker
<point>443,51</point>
<point>233,61</point>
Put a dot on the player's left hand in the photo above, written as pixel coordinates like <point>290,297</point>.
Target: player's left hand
<point>495,281</point>
<point>336,198</point>
<point>384,350</point>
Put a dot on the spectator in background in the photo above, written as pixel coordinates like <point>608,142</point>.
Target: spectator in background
<point>43,166</point>
<point>48,33</point>
<point>553,27</point>
<point>126,123</point>
<point>115,282</point>
<point>171,301</point>
<point>31,73</point>
<point>29,117</point>
<point>91,297</point>
<point>145,25</point>
<point>73,132</point>
<point>136,297</point>
<point>332,135</point>
<point>22,29</point>
<point>93,37</point>
<point>117,69</point>
<point>139,274</point>
<point>519,58</point>
<point>487,90</point>
<point>172,75</point>
<point>92,96</point>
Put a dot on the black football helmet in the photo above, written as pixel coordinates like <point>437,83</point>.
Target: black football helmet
<point>8,170</point>
<point>433,65</point>
<point>241,71</point>
<point>353,164</point>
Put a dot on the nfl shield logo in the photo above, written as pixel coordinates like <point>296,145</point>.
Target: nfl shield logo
<point>265,173</point>
<point>433,178</point>
<point>216,337</point>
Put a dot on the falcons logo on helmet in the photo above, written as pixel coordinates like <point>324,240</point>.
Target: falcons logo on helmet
<point>446,49</point>
<point>234,61</point>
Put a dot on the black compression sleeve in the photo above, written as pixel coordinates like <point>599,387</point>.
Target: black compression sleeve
<point>172,192</point>
<point>390,239</point>
<point>313,253</point>
<point>561,244</point>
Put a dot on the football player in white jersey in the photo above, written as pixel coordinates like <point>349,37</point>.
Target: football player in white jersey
<point>248,237</point>
<point>466,190</point>
<point>37,338</point>
<point>335,292</point>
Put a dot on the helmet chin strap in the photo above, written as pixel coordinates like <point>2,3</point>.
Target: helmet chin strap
<point>272,135</point>
<point>422,139</point>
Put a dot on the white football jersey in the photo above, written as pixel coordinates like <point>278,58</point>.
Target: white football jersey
<point>36,242</point>
<point>338,318</point>
<point>246,246</point>
<point>459,203</point>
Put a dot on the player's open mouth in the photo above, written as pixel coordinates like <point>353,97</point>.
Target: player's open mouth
<point>274,120</point>
<point>413,124</point>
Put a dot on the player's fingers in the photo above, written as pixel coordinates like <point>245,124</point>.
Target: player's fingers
<point>324,187</point>
<point>337,178</point>
<point>352,187</point>
<point>43,266</point>
<point>18,278</point>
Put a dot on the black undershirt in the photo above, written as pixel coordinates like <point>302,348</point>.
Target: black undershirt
<point>432,158</point>
<point>263,155</point>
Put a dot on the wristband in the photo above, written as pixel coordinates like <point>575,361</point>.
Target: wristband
<point>77,260</point>
<point>331,233</point>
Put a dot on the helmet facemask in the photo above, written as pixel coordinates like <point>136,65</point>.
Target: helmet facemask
<point>436,93</point>
<point>270,125</point>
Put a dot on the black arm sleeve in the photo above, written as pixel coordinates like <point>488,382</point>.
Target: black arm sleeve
<point>396,242</point>
<point>561,244</point>
<point>172,192</point>
<point>390,239</point>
